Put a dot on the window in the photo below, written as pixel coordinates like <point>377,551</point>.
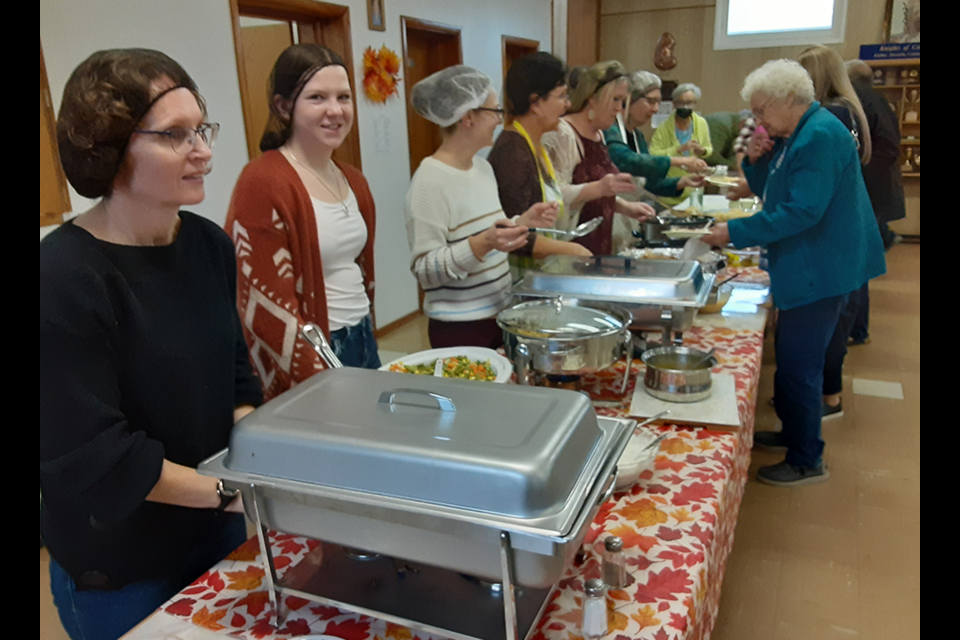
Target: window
<point>749,24</point>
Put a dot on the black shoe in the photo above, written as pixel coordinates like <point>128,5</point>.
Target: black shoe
<point>856,343</point>
<point>829,413</point>
<point>787,475</point>
<point>769,441</point>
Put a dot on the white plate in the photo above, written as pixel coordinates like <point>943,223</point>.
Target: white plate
<point>723,181</point>
<point>501,365</point>
<point>674,234</point>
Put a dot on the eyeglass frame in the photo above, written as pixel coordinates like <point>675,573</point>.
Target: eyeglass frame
<point>207,132</point>
<point>498,111</point>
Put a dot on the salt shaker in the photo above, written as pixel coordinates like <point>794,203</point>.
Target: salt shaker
<point>614,563</point>
<point>594,609</point>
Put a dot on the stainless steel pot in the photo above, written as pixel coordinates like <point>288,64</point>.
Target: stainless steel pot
<point>565,337</point>
<point>669,375</point>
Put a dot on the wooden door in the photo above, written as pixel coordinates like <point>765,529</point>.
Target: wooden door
<point>428,47</point>
<point>514,48</point>
<point>320,22</point>
<point>262,45</point>
<point>54,199</point>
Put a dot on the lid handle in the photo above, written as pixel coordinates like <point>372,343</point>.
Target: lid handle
<point>443,402</point>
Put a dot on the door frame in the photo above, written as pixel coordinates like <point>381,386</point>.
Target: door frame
<point>417,24</point>
<point>507,41</point>
<point>331,27</point>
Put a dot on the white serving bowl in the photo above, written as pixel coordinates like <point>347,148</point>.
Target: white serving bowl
<point>635,460</point>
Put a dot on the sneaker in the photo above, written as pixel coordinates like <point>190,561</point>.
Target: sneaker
<point>856,343</point>
<point>787,475</point>
<point>829,413</point>
<point>769,441</point>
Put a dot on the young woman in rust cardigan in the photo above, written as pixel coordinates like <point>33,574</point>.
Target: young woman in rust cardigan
<point>303,225</point>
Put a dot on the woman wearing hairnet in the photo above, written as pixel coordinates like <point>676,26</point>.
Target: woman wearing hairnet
<point>577,149</point>
<point>684,133</point>
<point>459,236</point>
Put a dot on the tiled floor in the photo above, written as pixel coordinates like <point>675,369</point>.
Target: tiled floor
<point>840,560</point>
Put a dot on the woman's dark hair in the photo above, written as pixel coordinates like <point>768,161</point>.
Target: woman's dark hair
<point>104,100</point>
<point>292,71</point>
<point>535,74</point>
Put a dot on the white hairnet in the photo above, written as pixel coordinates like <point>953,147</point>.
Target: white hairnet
<point>448,95</point>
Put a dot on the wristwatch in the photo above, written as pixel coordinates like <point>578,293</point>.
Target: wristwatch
<point>227,496</point>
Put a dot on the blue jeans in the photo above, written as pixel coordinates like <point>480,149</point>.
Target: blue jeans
<point>837,349</point>
<point>356,346</point>
<point>860,304</point>
<point>107,615</point>
<point>803,335</point>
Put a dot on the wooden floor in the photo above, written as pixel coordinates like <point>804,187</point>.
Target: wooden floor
<point>840,560</point>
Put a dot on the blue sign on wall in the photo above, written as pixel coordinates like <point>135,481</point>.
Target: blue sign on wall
<point>890,51</point>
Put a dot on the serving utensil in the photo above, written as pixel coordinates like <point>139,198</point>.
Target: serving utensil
<point>582,229</point>
<point>313,334</point>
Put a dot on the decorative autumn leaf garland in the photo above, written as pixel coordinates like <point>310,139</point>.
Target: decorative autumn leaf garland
<point>381,73</point>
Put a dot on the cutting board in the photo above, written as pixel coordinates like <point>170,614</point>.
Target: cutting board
<point>719,410</point>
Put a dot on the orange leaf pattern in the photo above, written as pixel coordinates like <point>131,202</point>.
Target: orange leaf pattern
<point>677,522</point>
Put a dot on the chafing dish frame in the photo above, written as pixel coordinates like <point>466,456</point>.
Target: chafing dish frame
<point>527,540</point>
<point>671,317</point>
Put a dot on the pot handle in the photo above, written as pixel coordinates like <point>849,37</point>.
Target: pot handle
<point>443,402</point>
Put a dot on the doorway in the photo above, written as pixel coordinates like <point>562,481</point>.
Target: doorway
<point>428,47</point>
<point>262,30</point>
<point>514,48</point>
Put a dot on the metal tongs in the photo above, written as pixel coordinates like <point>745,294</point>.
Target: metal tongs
<point>579,231</point>
<point>318,341</point>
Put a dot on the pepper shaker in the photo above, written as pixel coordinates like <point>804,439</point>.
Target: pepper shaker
<point>594,609</point>
<point>614,563</point>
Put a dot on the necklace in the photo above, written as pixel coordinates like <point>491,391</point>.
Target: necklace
<point>341,200</point>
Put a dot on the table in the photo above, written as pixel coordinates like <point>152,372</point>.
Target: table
<point>677,525</point>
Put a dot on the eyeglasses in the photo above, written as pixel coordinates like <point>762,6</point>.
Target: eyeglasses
<point>184,139</point>
<point>680,104</point>
<point>758,112</point>
<point>497,112</point>
<point>653,102</point>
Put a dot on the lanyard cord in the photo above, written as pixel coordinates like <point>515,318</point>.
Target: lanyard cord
<point>546,161</point>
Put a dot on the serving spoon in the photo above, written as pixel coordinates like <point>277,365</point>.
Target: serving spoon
<point>582,229</point>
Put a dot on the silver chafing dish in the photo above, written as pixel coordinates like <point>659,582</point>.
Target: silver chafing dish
<point>498,482</point>
<point>662,295</point>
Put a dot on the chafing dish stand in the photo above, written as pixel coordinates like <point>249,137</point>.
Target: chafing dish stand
<point>424,598</point>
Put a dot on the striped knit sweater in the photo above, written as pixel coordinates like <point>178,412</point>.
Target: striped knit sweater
<point>444,207</point>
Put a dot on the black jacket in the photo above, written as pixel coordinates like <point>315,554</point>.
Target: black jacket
<point>882,174</point>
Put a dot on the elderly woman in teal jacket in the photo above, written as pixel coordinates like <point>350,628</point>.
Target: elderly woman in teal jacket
<point>628,148</point>
<point>822,241</point>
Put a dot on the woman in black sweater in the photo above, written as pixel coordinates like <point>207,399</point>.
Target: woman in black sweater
<point>143,365</point>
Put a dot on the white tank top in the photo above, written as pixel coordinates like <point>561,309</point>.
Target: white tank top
<point>342,237</point>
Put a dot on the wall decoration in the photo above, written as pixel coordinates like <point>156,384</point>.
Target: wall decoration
<point>375,17</point>
<point>663,57</point>
<point>381,73</point>
<point>902,21</point>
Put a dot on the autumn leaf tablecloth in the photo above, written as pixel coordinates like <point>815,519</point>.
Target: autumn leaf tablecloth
<point>677,525</point>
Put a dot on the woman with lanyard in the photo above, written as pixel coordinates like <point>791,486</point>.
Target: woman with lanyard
<point>536,98</point>
<point>823,243</point>
<point>628,148</point>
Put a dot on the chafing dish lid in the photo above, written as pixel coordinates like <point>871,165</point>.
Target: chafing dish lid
<point>558,318</point>
<point>505,449</point>
<point>618,278</point>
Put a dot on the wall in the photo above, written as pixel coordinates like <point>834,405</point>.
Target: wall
<point>198,34</point>
<point>629,30</point>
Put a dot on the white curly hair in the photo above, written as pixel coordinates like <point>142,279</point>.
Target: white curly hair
<point>780,79</point>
